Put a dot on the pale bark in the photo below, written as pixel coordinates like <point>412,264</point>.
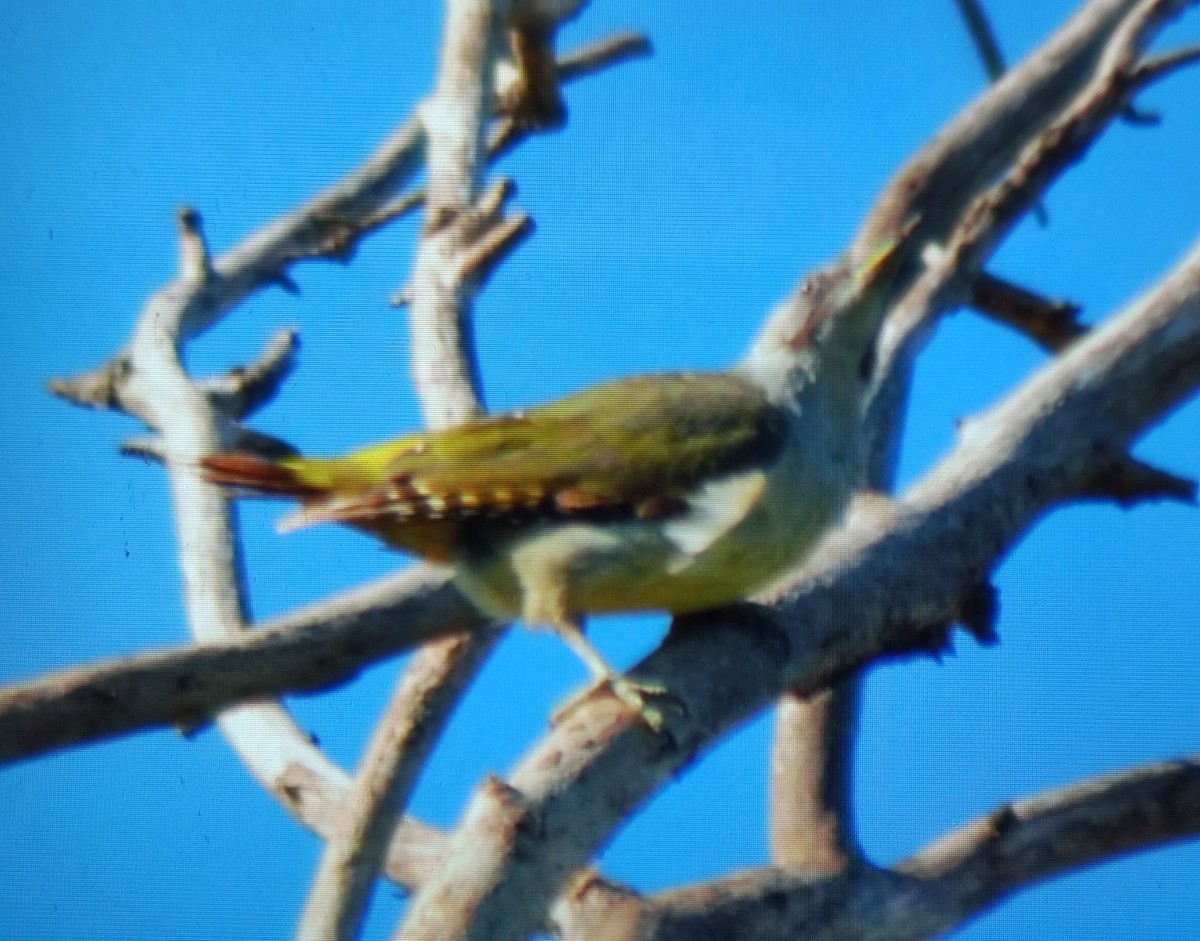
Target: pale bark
<point>447,381</point>
<point>892,580</point>
<point>906,570</point>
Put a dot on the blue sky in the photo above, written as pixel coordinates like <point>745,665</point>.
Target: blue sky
<point>686,196</point>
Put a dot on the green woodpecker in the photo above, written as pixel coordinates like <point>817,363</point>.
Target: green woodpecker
<point>674,492</point>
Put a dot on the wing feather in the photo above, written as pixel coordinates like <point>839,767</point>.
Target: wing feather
<point>633,448</point>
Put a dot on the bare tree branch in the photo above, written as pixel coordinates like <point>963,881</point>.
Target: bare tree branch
<point>902,568</point>
<point>458,239</point>
<point>947,883</point>
<point>1053,325</point>
<point>1060,831</point>
<point>906,569</point>
<point>1034,455</point>
<point>311,649</point>
<point>983,36</point>
<point>982,140</point>
<point>811,801</point>
<point>148,382</point>
<point>404,737</point>
<point>600,55</point>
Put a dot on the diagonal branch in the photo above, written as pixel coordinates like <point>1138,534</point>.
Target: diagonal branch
<point>1060,831</point>
<point>949,882</point>
<point>446,374</point>
<point>311,649</point>
<point>903,569</point>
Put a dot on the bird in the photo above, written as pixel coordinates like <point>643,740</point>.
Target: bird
<point>679,492</point>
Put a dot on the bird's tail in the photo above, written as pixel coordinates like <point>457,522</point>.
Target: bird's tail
<point>255,475</point>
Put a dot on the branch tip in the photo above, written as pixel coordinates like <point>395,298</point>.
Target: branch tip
<point>1128,482</point>
<point>285,283</point>
<point>194,260</point>
<point>614,50</point>
<point>1051,324</point>
<point>243,390</point>
<point>1134,116</point>
<point>146,447</point>
<point>98,388</point>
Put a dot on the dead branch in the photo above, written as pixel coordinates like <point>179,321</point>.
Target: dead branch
<point>311,649</point>
<point>458,231</point>
<point>811,809</point>
<point>985,495</point>
<point>148,381</point>
<point>902,568</point>
<point>947,883</point>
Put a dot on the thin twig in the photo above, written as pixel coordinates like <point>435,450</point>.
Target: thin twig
<point>447,381</point>
<point>983,36</point>
<point>603,54</point>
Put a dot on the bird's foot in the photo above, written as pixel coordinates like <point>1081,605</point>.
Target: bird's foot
<point>646,699</point>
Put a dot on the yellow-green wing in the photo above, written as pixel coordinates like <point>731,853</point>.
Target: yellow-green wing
<point>634,447</point>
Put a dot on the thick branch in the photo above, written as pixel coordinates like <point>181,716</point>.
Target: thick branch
<point>949,882</point>
<point>311,649</point>
<point>903,569</point>
<point>966,155</point>
<point>445,371</point>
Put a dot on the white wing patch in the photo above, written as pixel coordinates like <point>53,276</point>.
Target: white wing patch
<point>712,512</point>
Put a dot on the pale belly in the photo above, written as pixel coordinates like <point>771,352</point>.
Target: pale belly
<point>567,570</point>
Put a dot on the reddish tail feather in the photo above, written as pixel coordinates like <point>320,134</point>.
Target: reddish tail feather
<point>254,474</point>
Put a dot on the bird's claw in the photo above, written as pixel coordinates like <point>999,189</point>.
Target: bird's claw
<point>636,694</point>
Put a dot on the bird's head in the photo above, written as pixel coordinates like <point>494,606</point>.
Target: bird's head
<point>826,328</point>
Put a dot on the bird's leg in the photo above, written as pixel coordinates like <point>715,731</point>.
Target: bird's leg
<point>546,603</point>
<point>631,692</point>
